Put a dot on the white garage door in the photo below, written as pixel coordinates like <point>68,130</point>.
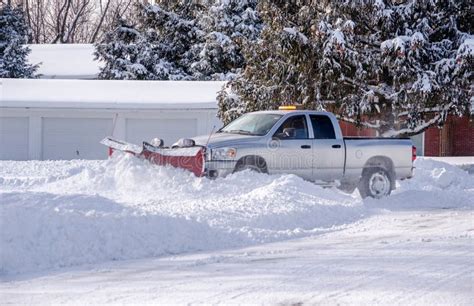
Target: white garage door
<point>13,138</point>
<point>169,130</point>
<point>75,138</point>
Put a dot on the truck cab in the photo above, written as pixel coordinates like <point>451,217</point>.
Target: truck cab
<point>308,144</point>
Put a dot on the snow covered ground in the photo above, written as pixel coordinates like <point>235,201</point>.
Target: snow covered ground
<point>125,231</point>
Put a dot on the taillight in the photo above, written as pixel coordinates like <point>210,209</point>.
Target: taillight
<point>413,153</point>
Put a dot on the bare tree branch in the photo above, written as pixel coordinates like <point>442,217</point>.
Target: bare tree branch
<point>58,20</point>
<point>71,21</point>
<point>62,25</point>
<point>72,28</point>
<point>101,21</point>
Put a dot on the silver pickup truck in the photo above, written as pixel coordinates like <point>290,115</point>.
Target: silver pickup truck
<point>308,144</point>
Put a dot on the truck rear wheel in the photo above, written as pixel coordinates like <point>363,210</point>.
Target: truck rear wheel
<point>375,183</point>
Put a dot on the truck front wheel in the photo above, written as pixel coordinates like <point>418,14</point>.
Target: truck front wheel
<point>375,183</point>
<point>248,167</point>
<point>252,163</point>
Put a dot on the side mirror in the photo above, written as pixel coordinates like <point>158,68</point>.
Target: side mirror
<point>184,143</point>
<point>157,142</point>
<point>289,133</point>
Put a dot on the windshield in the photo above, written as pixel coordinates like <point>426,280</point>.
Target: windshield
<point>257,124</point>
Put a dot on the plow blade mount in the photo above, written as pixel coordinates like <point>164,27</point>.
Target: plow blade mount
<point>189,158</point>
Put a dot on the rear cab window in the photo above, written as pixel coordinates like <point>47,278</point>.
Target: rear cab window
<point>322,127</point>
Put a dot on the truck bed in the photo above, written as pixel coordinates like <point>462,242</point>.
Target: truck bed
<point>359,150</point>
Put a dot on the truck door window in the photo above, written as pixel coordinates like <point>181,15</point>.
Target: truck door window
<point>322,127</point>
<point>293,128</point>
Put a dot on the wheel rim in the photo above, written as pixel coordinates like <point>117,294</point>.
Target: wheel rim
<point>379,184</point>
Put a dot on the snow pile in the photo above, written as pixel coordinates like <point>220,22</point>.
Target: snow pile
<point>57,214</point>
<point>238,201</point>
<point>435,175</point>
<point>25,175</point>
<point>50,231</point>
<point>126,208</point>
<point>436,184</point>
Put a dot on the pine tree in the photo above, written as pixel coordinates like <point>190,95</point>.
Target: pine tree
<point>227,25</point>
<point>13,49</point>
<point>121,51</point>
<point>398,66</point>
<point>129,54</point>
<point>280,65</point>
<point>171,27</point>
<point>180,40</point>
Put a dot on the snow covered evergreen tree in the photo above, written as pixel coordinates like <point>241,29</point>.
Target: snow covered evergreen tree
<point>156,47</point>
<point>121,51</point>
<point>130,54</point>
<point>280,65</point>
<point>227,24</point>
<point>171,27</point>
<point>181,40</point>
<point>13,49</point>
<point>398,66</point>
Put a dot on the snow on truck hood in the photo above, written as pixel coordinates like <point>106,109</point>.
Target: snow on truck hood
<point>223,139</point>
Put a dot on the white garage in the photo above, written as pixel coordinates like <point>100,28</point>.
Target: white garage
<point>73,138</point>
<point>14,138</point>
<point>66,119</point>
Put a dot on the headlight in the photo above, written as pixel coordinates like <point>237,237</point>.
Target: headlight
<point>223,153</point>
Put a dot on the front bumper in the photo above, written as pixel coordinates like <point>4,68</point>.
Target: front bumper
<point>218,168</point>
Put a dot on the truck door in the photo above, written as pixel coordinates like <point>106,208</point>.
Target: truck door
<point>328,152</point>
<point>293,154</point>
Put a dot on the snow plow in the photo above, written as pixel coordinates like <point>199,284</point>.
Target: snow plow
<point>184,154</point>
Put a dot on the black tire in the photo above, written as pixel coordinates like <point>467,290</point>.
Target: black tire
<point>252,164</point>
<point>375,182</point>
<point>244,167</point>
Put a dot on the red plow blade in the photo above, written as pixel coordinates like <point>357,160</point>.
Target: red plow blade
<point>189,158</point>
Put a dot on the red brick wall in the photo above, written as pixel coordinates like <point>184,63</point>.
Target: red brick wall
<point>463,134</point>
<point>456,138</point>
<point>349,129</point>
<point>432,141</point>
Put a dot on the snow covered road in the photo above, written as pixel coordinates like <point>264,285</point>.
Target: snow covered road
<point>403,258</point>
<point>125,231</point>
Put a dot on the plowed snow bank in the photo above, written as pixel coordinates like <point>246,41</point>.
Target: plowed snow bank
<point>56,214</point>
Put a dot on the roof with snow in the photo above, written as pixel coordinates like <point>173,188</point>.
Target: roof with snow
<point>43,93</point>
<point>64,61</point>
